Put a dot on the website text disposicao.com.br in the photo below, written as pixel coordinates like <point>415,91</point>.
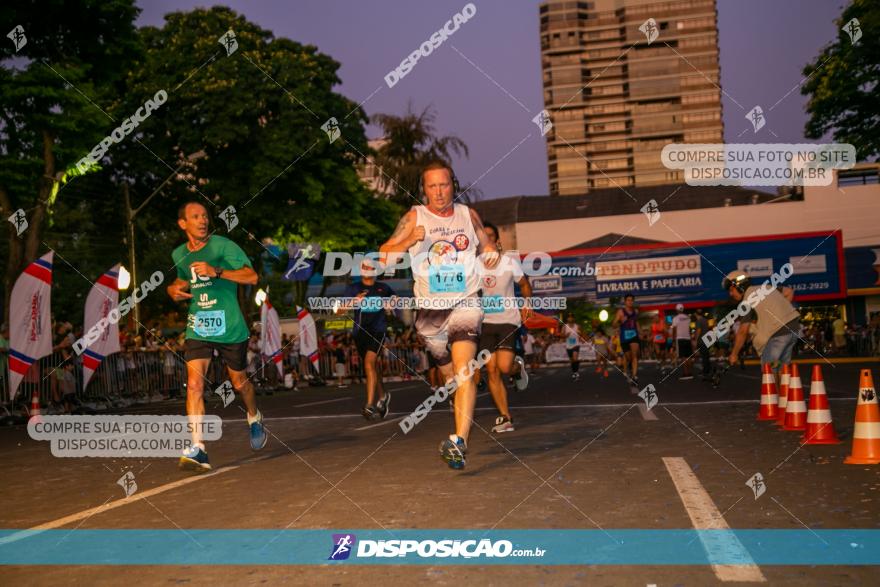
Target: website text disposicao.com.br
<point>484,548</point>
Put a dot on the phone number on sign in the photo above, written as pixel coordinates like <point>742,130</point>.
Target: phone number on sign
<point>810,286</point>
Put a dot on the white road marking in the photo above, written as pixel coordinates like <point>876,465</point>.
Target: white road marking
<point>646,413</point>
<point>704,515</point>
<point>113,505</point>
<point>326,401</point>
<point>382,423</point>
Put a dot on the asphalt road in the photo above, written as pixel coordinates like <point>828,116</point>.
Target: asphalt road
<point>585,454</point>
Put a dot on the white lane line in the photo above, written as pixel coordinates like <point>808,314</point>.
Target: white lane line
<point>382,423</point>
<point>646,413</point>
<point>113,505</point>
<point>422,385</point>
<point>326,401</point>
<point>704,515</point>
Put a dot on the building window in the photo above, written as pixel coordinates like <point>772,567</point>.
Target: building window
<point>857,177</point>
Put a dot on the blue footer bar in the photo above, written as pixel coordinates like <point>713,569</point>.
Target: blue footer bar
<point>439,547</point>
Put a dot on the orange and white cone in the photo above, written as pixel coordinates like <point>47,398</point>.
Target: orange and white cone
<point>796,407</point>
<point>866,435</point>
<point>769,397</point>
<point>784,380</point>
<point>35,404</point>
<point>820,429</point>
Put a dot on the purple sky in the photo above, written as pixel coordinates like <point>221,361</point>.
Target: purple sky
<point>764,45</point>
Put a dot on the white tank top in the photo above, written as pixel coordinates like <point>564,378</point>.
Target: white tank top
<point>445,261</point>
<point>497,285</point>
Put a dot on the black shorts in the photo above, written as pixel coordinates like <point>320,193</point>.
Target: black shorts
<point>572,352</point>
<point>366,342</point>
<point>624,344</point>
<point>497,337</point>
<point>684,347</point>
<point>234,355</point>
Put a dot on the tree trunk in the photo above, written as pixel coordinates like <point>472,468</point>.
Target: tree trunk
<point>35,230</point>
<point>13,264</point>
<point>24,249</point>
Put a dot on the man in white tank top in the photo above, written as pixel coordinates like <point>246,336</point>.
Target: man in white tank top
<point>444,240</point>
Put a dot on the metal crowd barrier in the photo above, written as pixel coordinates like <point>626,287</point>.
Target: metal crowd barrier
<point>122,379</point>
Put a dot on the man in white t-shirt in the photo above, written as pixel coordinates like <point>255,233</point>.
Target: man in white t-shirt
<point>680,330</point>
<point>501,324</point>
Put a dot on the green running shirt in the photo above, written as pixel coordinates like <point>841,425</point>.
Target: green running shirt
<point>214,314</point>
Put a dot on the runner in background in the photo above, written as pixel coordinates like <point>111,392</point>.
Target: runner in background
<point>600,343</point>
<point>627,319</point>
<point>501,328</point>
<point>681,331</point>
<point>571,332</point>
<point>658,340</point>
<point>702,327</point>
<point>370,325</point>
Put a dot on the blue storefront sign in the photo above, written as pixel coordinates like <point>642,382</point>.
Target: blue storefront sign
<point>691,273</point>
<point>863,270</point>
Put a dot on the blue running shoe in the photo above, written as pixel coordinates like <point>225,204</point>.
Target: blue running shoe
<point>194,459</point>
<point>452,451</point>
<point>259,438</point>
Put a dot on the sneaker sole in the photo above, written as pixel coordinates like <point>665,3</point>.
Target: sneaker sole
<point>503,430</point>
<point>453,463</point>
<point>387,409</point>
<point>265,440</point>
<point>187,464</point>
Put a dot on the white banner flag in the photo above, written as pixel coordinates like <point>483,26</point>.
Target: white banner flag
<point>270,335</point>
<point>30,325</point>
<point>103,298</point>
<point>308,338</point>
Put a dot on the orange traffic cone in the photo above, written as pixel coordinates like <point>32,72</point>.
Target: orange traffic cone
<point>769,397</point>
<point>820,429</point>
<point>866,435</point>
<point>784,380</point>
<point>35,404</point>
<point>796,408</point>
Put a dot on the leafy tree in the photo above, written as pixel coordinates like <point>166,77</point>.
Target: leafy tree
<point>257,114</point>
<point>411,142</point>
<point>45,124</point>
<point>842,84</point>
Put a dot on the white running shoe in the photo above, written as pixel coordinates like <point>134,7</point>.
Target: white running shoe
<point>502,424</point>
<point>523,380</point>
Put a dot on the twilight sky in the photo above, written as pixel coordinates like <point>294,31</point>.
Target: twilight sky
<point>764,45</point>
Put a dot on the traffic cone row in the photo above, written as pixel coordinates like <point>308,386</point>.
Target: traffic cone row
<point>866,434</point>
<point>35,405</point>
<point>789,410</point>
<point>769,397</point>
<point>820,429</point>
<point>796,408</point>
<point>784,380</point>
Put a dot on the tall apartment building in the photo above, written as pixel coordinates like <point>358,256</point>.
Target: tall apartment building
<point>615,100</point>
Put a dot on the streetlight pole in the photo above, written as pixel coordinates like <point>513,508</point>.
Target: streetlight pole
<point>132,213</point>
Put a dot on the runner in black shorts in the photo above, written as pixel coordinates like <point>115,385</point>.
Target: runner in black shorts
<point>369,336</point>
<point>500,332</point>
<point>627,318</point>
<point>211,267</point>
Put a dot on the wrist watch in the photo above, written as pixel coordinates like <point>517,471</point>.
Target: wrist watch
<point>218,271</point>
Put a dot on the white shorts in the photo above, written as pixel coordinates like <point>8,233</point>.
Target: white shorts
<point>439,328</point>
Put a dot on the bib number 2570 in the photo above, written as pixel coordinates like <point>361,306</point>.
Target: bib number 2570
<point>210,323</point>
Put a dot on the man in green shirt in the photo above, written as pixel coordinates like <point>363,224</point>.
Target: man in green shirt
<point>209,269</point>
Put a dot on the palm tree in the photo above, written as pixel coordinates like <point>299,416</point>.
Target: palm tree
<point>409,143</point>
